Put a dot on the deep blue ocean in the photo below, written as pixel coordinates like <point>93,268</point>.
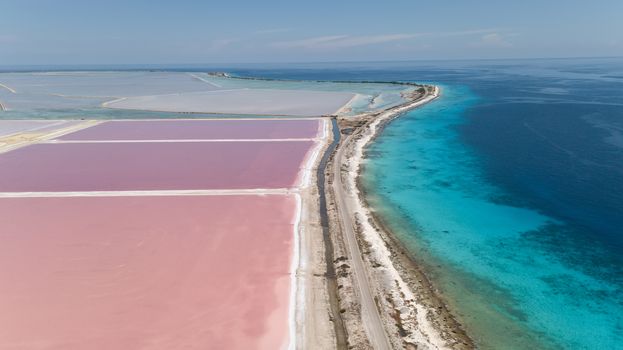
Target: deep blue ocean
<point>509,190</point>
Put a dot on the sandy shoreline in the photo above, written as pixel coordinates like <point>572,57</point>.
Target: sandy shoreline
<point>412,313</point>
<point>311,319</point>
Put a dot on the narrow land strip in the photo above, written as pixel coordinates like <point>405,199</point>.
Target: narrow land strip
<point>403,303</point>
<point>371,320</point>
<point>389,310</point>
<point>341,341</point>
<point>8,88</point>
<point>15,141</point>
<point>205,80</point>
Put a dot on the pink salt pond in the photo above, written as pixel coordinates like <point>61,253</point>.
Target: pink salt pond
<point>192,272</point>
<point>152,166</point>
<point>199,130</point>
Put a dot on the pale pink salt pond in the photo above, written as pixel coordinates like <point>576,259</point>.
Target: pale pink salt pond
<point>193,272</point>
<point>152,166</point>
<point>198,130</point>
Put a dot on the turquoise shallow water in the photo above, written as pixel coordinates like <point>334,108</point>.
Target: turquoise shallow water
<point>499,264</point>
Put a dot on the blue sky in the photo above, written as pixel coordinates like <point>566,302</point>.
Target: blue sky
<point>232,31</point>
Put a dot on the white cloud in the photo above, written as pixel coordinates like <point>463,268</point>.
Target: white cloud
<point>222,43</point>
<point>7,39</point>
<point>373,39</point>
<point>493,40</point>
<point>315,42</point>
<point>342,41</point>
<point>349,41</point>
<point>272,31</point>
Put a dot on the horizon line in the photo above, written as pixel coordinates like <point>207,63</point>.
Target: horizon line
<point>225,64</point>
